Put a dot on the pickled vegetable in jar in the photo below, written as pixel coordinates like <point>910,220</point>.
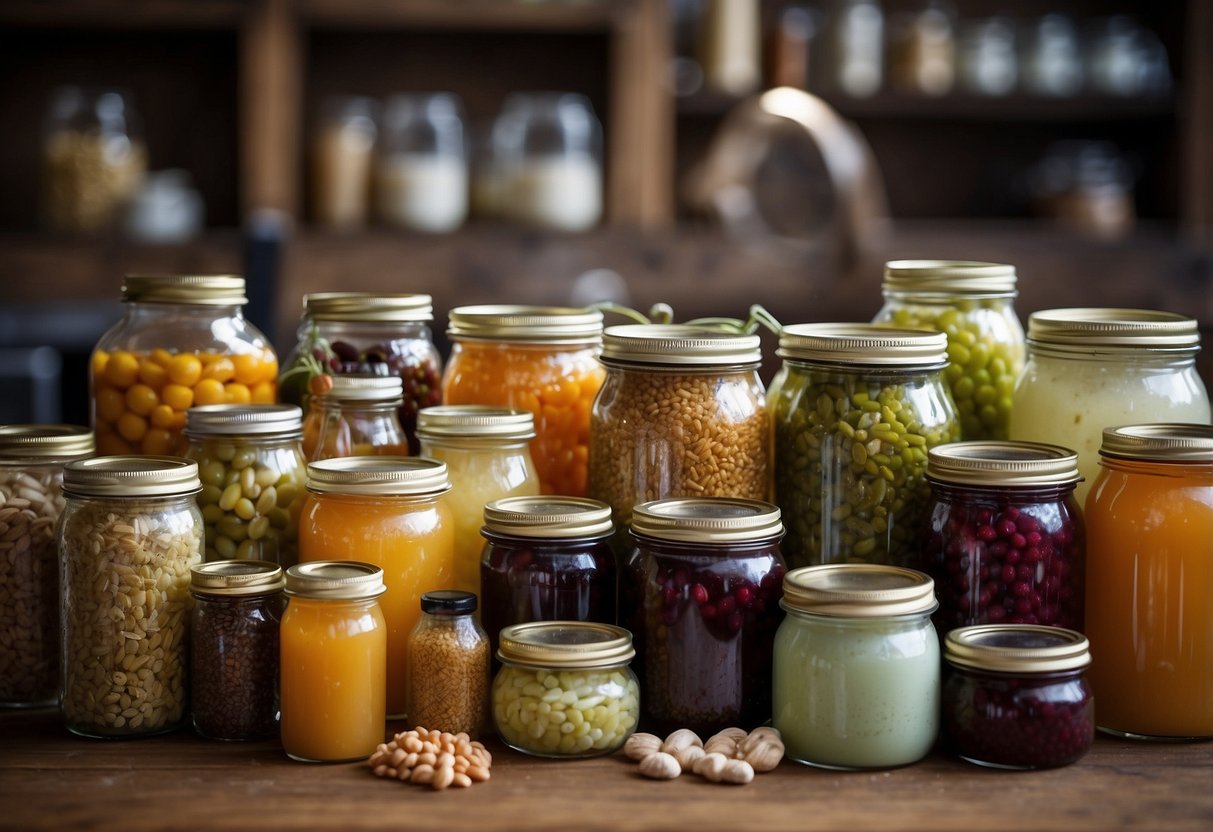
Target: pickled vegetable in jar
<point>356,417</point>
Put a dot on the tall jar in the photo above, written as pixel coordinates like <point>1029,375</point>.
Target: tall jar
<point>31,501</point>
<point>700,593</point>
<point>1090,369</point>
<point>857,671</point>
<point>1005,541</point>
<point>356,417</point>
<point>1150,581</point>
<point>487,456</point>
<point>538,358</point>
<point>253,473</point>
<point>392,512</point>
<point>129,535</point>
<point>855,414</point>
<point>342,149</point>
<point>682,413</point>
<point>421,178</point>
<point>182,341</point>
<point>974,305</point>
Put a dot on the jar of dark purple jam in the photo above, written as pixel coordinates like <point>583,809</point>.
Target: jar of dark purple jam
<point>700,593</point>
<point>1016,695</point>
<point>1005,540</point>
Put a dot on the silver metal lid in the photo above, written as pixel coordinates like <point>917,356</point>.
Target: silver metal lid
<point>45,442</point>
<point>959,277</point>
<point>367,307</point>
<point>361,389</point>
<point>391,476</point>
<point>237,577</point>
<point>548,517</point>
<point>244,420</point>
<point>335,580</point>
<point>1087,330</point>
<point>707,520</point>
<point>526,324</point>
<point>565,644</point>
<point>863,345</point>
<point>679,345</point>
<point>858,590</point>
<point>475,422</point>
<point>131,476</point>
<point>202,290</point>
<point>1169,442</point>
<point>1002,463</point>
<point>1017,648</point>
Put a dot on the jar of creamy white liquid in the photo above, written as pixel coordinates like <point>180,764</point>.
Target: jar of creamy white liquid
<point>422,174</point>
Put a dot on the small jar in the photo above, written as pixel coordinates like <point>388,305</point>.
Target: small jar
<point>356,417</point>
<point>974,305</point>
<point>487,456</point>
<point>342,150</point>
<point>130,533</point>
<point>421,179</point>
<point>234,649</point>
<point>580,672</point>
<point>392,512</point>
<point>857,681</point>
<point>1149,586</point>
<point>700,593</point>
<point>1090,369</point>
<point>1016,696</point>
<point>855,414</point>
<point>252,468</point>
<point>682,413</point>
<point>31,501</point>
<point>182,341</point>
<point>537,358</point>
<point>1006,541</point>
<point>334,662</point>
<point>449,653</point>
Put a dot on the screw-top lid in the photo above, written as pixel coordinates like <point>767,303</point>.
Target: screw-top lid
<point>679,345</point>
<point>1173,442</point>
<point>203,290</point>
<point>565,644</point>
<point>863,345</point>
<point>858,590</point>
<point>950,277</point>
<point>475,422</point>
<point>526,324</point>
<point>394,476</point>
<point>1086,330</point>
<point>367,307</point>
<point>1002,464</point>
<point>1017,648</point>
<point>237,577</point>
<point>131,476</point>
<point>45,442</point>
<point>335,580</point>
<point>365,389</point>
<point>707,520</point>
<point>548,517</point>
<point>448,602</point>
<point>244,420</point>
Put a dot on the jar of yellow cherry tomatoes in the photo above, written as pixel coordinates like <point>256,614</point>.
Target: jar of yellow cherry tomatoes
<point>183,341</point>
<point>537,358</point>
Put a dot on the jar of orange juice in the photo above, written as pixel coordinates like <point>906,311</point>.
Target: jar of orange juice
<point>393,512</point>
<point>333,651</point>
<point>538,358</point>
<point>358,416</point>
<point>182,341</point>
<point>1150,581</point>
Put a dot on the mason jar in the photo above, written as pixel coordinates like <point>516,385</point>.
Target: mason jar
<point>356,416</point>
<point>449,688</point>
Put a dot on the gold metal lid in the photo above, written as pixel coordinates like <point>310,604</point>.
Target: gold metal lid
<point>389,476</point>
<point>1017,648</point>
<point>565,644</point>
<point>237,577</point>
<point>1003,464</point>
<point>960,277</point>
<point>679,345</point>
<point>863,345</point>
<point>858,590</point>
<point>45,442</point>
<point>548,517</point>
<point>1088,330</point>
<point>244,420</point>
<point>203,290</point>
<point>475,422</point>
<point>526,324</point>
<point>371,308</point>
<point>707,520</point>
<point>1170,442</point>
<point>335,580</point>
<point>363,389</point>
<point>131,476</point>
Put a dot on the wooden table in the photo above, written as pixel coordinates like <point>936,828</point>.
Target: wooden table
<point>51,780</point>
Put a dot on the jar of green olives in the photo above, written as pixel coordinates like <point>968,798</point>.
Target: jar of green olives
<point>973,303</point>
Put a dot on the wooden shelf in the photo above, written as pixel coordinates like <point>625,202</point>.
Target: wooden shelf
<point>468,15</point>
<point>124,14</point>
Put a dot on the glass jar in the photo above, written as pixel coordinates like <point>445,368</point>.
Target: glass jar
<point>974,305</point>
<point>546,559</point>
<point>356,332</point>
<point>356,417</point>
<point>1016,696</point>
<point>1005,540</point>
<point>682,413</point>
<point>580,671</point>
<point>989,63</point>
<point>421,181</point>
<point>1150,585</point>
<point>182,341</point>
<point>253,473</point>
<point>855,414</point>
<point>537,358</point>
<point>1090,369</point>
<point>334,662</point>
<point>234,648</point>
<point>487,456</point>
<point>700,592</point>
<point>392,512</point>
<point>31,501</point>
<point>129,535</point>
<point>449,652</point>
<point>856,666</point>
<point>342,149</point>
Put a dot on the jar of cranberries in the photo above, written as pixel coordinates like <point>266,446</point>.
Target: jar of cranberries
<point>1016,695</point>
<point>700,593</point>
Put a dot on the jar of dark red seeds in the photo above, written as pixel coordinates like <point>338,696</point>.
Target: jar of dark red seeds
<point>1005,540</point>
<point>1016,695</point>
<point>700,594</point>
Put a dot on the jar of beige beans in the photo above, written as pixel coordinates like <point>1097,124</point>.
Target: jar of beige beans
<point>131,532</point>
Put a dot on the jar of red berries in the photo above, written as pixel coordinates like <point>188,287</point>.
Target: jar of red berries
<point>1005,540</point>
<point>700,593</point>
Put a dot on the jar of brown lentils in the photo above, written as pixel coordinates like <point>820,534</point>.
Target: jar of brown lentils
<point>448,683</point>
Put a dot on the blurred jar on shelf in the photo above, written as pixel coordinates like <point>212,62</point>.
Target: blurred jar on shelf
<point>342,152</point>
<point>857,48</point>
<point>988,61</point>
<point>730,45</point>
<point>1086,187</point>
<point>923,51</point>
<point>1052,61</point>
<point>166,209</point>
<point>1123,59</point>
<point>421,180</point>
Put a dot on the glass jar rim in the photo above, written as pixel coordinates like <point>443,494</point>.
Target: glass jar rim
<point>707,520</point>
<point>864,345</point>
<point>1087,330</point>
<point>1002,464</point>
<point>555,325</point>
<point>368,307</point>
<point>283,421</point>
<point>237,578</point>
<point>859,590</point>
<point>1011,648</point>
<point>565,645</point>
<point>548,517</point>
<point>379,476</point>
<point>335,580</point>
<point>679,346</point>
<point>189,289</point>
<point>960,277</point>
<point>1175,442</point>
<point>131,477</point>
<point>45,442</point>
<point>475,423</point>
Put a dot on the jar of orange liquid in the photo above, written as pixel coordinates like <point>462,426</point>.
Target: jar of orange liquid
<point>538,358</point>
<point>1150,581</point>
<point>358,416</point>
<point>334,661</point>
<point>392,512</point>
